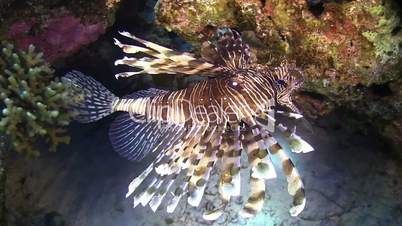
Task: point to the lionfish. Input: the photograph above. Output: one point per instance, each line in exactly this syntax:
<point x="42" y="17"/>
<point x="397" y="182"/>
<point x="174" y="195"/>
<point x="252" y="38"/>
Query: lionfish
<point x="192" y="129"/>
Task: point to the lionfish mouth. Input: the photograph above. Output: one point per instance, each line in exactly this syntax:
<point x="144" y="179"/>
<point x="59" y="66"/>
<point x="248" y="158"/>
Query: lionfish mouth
<point x="299" y="83"/>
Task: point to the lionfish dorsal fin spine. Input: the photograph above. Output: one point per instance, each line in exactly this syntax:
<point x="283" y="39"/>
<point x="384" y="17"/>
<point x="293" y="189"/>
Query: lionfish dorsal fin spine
<point x="234" y="53"/>
<point x="163" y="61"/>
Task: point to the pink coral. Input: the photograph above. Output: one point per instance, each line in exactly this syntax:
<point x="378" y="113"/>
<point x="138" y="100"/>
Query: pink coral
<point x="57" y="37"/>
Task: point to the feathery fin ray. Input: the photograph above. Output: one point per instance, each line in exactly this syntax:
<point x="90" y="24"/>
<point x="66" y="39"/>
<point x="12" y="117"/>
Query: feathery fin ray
<point x="163" y="61"/>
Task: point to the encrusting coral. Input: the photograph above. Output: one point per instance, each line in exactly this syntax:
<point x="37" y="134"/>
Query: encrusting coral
<point x="56" y="28"/>
<point x="34" y="102"/>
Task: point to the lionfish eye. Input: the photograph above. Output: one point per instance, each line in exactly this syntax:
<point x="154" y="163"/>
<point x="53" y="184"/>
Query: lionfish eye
<point x="281" y="82"/>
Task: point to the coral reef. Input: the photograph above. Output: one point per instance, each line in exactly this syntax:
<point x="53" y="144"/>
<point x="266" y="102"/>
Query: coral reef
<point x="56" y="41"/>
<point x="383" y="108"/>
<point x="34" y="102"/>
<point x="57" y="28"/>
<point x="3" y="149"/>
<point x="188" y="18"/>
<point x="346" y="44"/>
<point x="344" y="47"/>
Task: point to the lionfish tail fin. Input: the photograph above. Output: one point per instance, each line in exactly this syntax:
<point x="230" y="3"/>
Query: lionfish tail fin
<point x="160" y="60"/>
<point x="89" y="99"/>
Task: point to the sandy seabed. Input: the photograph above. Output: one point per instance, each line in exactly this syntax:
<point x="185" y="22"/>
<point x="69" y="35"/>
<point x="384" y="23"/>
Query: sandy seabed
<point x="350" y="179"/>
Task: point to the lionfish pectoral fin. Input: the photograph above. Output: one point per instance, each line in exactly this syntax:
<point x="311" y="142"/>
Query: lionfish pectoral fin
<point x="199" y="180"/>
<point x="132" y="187"/>
<point x="267" y="120"/>
<point x="295" y="183"/>
<point x="145" y="196"/>
<point x="297" y="119"/>
<point x="296" y="143"/>
<point x="133" y="137"/>
<point x="212" y="215"/>
<point x="188" y="155"/>
<point x="158" y="198"/>
<point x="256" y="199"/>
<point x="164" y="173"/>
<point x="230" y="181"/>
<point x="209" y="145"/>
<point x="90" y="100"/>
<point x="257" y="150"/>
<point x="163" y="61"/>
<point x="261" y="168"/>
<point x="294" y="115"/>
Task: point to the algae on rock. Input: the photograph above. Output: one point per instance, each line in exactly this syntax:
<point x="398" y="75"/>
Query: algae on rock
<point x="345" y="44"/>
<point x="344" y="47"/>
<point x="33" y="100"/>
<point x="188" y="18"/>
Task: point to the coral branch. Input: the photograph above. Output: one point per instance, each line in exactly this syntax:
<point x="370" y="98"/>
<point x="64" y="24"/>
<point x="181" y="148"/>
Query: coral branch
<point x="34" y="102"/>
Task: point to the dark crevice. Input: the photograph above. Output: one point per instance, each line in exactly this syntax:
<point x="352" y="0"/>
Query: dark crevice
<point x="316" y="96"/>
<point x="281" y="35"/>
<point x="316" y="7"/>
<point x="396" y="30"/>
<point x="360" y="87"/>
<point x="381" y="90"/>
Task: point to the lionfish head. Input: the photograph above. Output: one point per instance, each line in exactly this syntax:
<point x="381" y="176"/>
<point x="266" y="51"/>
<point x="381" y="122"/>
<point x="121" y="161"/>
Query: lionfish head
<point x="286" y="80"/>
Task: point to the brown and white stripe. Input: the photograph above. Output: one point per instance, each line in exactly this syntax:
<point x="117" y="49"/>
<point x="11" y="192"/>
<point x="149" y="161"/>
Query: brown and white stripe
<point x="295" y="183"/>
<point x="194" y="128"/>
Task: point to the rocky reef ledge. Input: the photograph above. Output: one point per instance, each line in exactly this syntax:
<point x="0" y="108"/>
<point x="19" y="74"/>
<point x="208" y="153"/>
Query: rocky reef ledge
<point x="351" y="51"/>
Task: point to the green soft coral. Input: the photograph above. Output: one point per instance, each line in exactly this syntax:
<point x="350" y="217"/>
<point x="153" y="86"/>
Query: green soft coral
<point x="33" y="101"/>
<point x="386" y="43"/>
